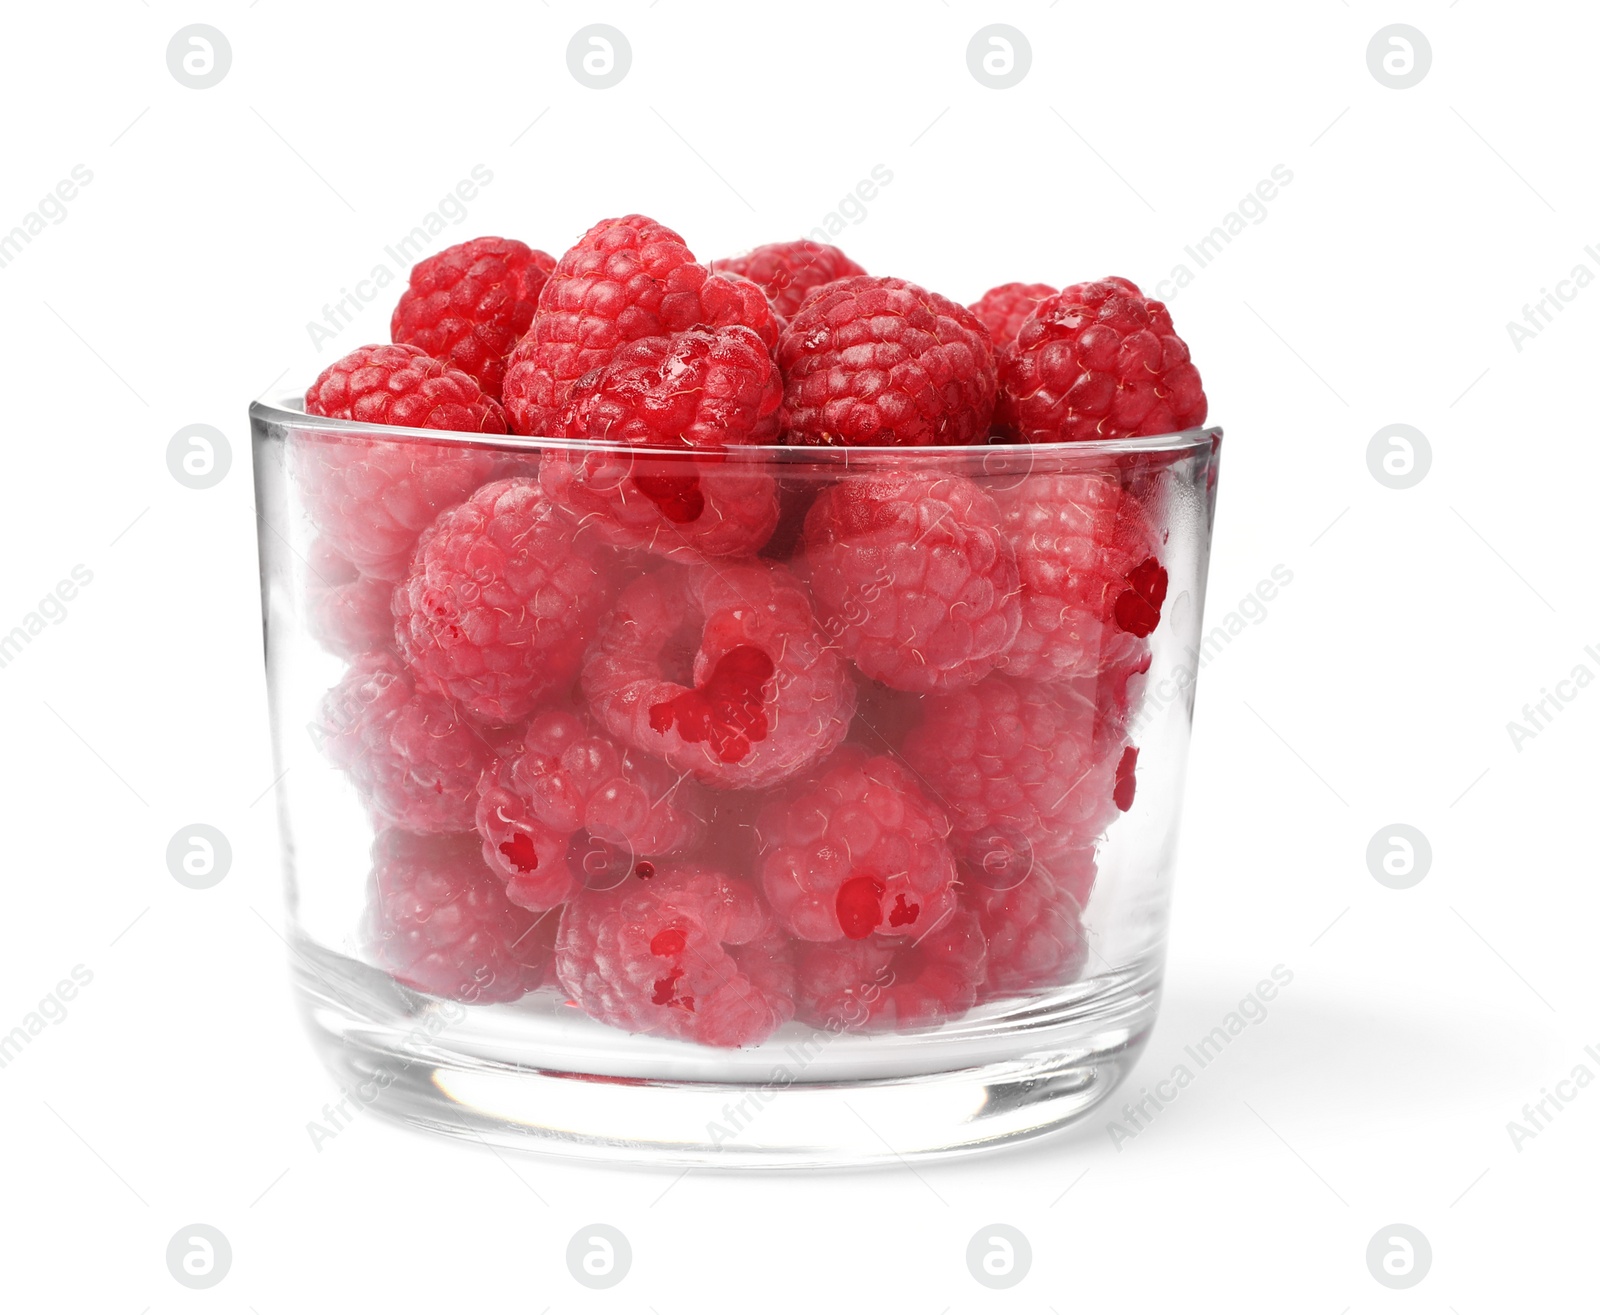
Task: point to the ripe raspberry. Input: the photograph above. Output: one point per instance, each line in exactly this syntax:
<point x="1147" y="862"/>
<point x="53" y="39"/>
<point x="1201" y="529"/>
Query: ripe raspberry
<point x="882" y="362"/>
<point x="398" y="384"/>
<point x="1092" y="583"/>
<point x="1097" y="360"/>
<point x="346" y="612"/>
<point x="914" y="576"/>
<point x="571" y="804"/>
<point x="500" y="602"/>
<point x="468" y="305"/>
<point x="626" y="279"/>
<point x="1034" y="929"/>
<point x="439" y="921"/>
<point x="687" y="952"/>
<point x="1003" y="309"/>
<point x="853" y="848"/>
<point x="787" y="271"/>
<point x="722" y="672"/>
<point x="872" y="985"/>
<point x="1026" y="771"/>
<point x="406" y="750"/>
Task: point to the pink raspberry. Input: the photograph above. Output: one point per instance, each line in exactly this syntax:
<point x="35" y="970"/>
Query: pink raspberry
<point x="722" y="672"/>
<point x="346" y="612"/>
<point x="626" y="279"/>
<point x="881" y="362"/>
<point x="856" y="848"/>
<point x="500" y="602"/>
<point x="572" y="804"/>
<point x="1034" y="929"/>
<point x="687" y="952"/>
<point x="1003" y="309"/>
<point x="912" y="573"/>
<point x="1026" y="770"/>
<point x="439" y="921"/>
<point x="407" y="751"/>
<point x="469" y="304"/>
<point x="1092" y="582"/>
<point x="873" y="985"/>
<point x="372" y="497"/>
<point x="1097" y="360"/>
<point x="788" y="271"/>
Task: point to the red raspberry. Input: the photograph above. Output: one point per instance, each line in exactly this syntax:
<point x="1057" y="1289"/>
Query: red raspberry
<point x="1092" y="583"/>
<point x="569" y="783"/>
<point x="687" y="952"/>
<point x="855" y="848"/>
<point x="722" y="672"/>
<point x="1026" y="771"/>
<point x="626" y="279"/>
<point x="1034" y="929"/>
<point x="500" y="602"/>
<point x="874" y="986"/>
<point x="407" y="751"/>
<point x="468" y="305"/>
<point x="372" y="497"/>
<point x="787" y="271"/>
<point x="1003" y="309"/>
<point x="881" y="362"/>
<point x="912" y="573"/>
<point x="1097" y="360"/>
<point x="346" y="612"/>
<point x="439" y="921"/>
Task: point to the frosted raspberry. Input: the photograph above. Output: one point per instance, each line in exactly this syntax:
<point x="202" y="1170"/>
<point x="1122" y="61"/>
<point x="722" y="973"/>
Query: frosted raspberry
<point x="722" y="672"/>
<point x="439" y="921"/>
<point x="1034" y="929"/>
<point x="687" y="952"/>
<point x="882" y="362"/>
<point x="407" y="751"/>
<point x="1003" y="309"/>
<point x="468" y="305"/>
<point x="500" y="602"/>
<point x="874" y="986"/>
<point x="856" y="848"/>
<point x="346" y="612"/>
<point x="1025" y="770"/>
<point x="1097" y="360"/>
<point x="787" y="271"/>
<point x="1092" y="580"/>
<point x="912" y="573"/>
<point x="626" y="279"/>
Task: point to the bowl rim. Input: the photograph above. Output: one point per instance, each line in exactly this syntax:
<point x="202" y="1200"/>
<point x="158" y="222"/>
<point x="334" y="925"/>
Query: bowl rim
<point x="287" y="411"/>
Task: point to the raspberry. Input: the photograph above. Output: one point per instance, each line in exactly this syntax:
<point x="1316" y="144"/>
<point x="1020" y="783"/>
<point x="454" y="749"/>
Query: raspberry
<point x="873" y="985"/>
<point x="500" y="602"/>
<point x="686" y="952"/>
<point x="912" y="573"/>
<point x="626" y="279"/>
<point x="439" y="921"/>
<point x="1034" y="929"/>
<point x="407" y="751"/>
<point x="346" y="612"/>
<point x="856" y="848"/>
<point x="1092" y="584"/>
<point x="1097" y="360"/>
<point x="722" y="672"/>
<point x="882" y="362"/>
<point x="787" y="271"/>
<point x="468" y="305"/>
<point x="397" y="384"/>
<point x="1003" y="309"/>
<point x="570" y="803"/>
<point x="1025" y="770"/>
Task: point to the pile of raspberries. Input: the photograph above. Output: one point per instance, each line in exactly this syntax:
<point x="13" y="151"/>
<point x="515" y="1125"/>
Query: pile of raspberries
<point x="698" y="739"/>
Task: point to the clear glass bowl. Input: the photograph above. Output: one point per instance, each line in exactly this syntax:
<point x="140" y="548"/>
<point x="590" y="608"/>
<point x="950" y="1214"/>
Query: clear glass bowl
<point x="774" y="910"/>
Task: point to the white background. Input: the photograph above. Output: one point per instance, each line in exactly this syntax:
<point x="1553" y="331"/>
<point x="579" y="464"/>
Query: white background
<point x="1377" y="689"/>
